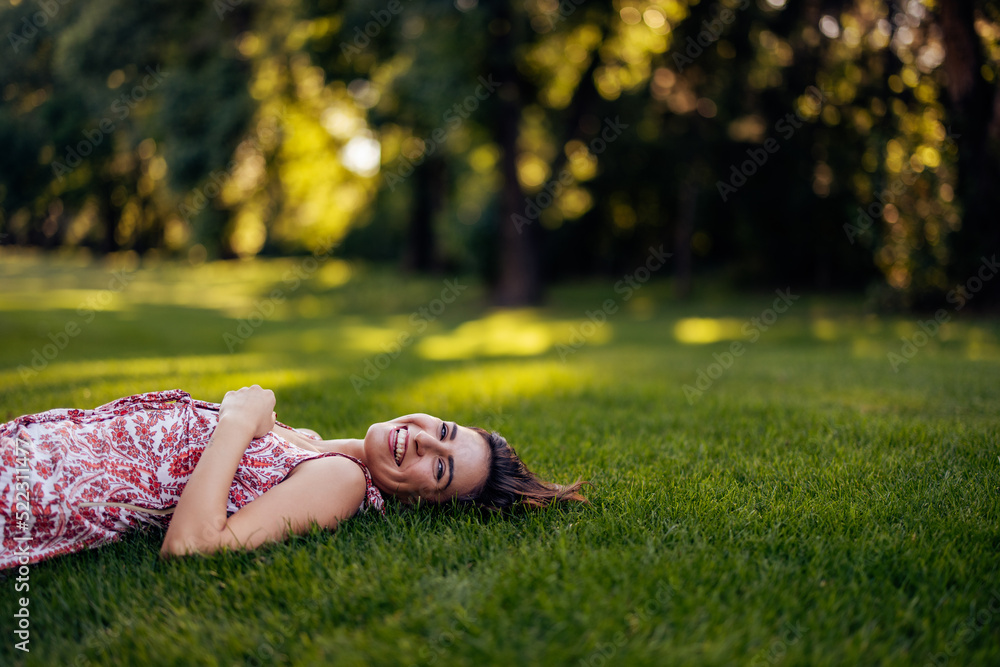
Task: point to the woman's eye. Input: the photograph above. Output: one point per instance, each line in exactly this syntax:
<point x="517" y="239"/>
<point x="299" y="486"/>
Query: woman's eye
<point x="440" y="470"/>
<point x="444" y="430"/>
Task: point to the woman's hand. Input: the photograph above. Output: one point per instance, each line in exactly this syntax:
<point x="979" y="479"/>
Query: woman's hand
<point x="251" y="406"/>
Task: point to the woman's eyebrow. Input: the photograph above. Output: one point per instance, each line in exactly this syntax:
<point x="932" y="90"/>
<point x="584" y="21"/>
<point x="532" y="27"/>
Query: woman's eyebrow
<point x="451" y="472"/>
<point x="454" y="430"/>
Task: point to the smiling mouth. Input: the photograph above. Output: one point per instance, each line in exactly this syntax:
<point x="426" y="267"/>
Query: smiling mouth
<point x="398" y="439"/>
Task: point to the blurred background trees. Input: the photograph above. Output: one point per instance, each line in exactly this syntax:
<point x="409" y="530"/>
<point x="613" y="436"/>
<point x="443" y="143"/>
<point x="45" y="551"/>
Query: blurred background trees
<point x="825" y="144"/>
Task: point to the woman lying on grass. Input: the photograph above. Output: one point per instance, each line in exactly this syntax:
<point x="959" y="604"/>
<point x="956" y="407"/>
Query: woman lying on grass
<point x="74" y="479"/>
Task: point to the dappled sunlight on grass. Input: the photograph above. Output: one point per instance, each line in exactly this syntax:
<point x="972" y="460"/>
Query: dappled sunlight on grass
<point x="229" y="366"/>
<point x="306" y="306"/>
<point x="313" y="340"/>
<point x="346" y="336"/>
<point x="981" y="345"/>
<point x="702" y="330"/>
<point x="371" y="339"/>
<point x="641" y="307"/>
<point x="38" y="297"/>
<point x="824" y="329"/>
<point x="233" y="288"/>
<point x="977" y="341"/>
<point x="232" y="300"/>
<point x="867" y="348"/>
<point x="287" y="377"/>
<point x="237" y="289"/>
<point x="326" y="319"/>
<point x="829" y="328"/>
<point x="514" y="333"/>
<point x="491" y="385"/>
<point x="334" y="273"/>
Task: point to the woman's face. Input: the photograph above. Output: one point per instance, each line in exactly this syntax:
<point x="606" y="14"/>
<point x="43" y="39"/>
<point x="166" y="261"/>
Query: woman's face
<point x="422" y="457"/>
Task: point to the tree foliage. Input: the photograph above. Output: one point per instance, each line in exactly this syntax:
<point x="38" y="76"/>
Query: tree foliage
<point x="835" y="144"/>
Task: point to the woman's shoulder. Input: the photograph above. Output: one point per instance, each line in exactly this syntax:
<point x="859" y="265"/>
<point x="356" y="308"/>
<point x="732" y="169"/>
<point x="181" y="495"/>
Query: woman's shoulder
<point x="349" y="470"/>
<point x="350" y="475"/>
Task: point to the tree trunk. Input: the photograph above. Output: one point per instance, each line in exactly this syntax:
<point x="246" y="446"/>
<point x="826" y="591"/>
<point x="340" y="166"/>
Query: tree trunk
<point x="111" y="215"/>
<point x="519" y="281"/>
<point x="429" y="195"/>
<point x="972" y="110"/>
<point x="686" y="211"/>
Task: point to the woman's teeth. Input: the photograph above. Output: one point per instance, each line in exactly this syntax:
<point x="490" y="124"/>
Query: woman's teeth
<point x="400" y="445"/>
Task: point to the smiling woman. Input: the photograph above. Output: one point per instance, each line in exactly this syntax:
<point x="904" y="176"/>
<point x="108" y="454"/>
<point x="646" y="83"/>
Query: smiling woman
<point x="420" y="457"/>
<point x="230" y="475"/>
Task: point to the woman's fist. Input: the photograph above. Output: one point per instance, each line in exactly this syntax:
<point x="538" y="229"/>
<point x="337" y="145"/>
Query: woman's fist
<point x="252" y="406"/>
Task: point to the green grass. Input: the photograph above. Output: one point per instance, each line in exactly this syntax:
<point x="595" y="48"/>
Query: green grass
<point x="811" y="507"/>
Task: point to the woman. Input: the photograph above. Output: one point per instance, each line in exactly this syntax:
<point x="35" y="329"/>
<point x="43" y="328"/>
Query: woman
<point x="73" y="479"/>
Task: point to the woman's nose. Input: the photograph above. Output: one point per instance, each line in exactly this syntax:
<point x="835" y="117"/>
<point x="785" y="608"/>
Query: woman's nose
<point x="427" y="444"/>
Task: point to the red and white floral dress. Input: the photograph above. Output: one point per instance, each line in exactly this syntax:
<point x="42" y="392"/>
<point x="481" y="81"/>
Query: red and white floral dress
<point x="62" y="470"/>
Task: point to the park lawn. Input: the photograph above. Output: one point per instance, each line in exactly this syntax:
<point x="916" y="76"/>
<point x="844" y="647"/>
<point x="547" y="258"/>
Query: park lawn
<point x="811" y="505"/>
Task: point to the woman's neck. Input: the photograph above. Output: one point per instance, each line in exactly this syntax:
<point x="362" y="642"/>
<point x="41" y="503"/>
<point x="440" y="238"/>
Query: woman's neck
<point x="350" y="446"/>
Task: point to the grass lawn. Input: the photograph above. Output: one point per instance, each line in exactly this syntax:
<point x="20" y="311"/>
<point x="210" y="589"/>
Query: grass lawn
<point x="801" y="503"/>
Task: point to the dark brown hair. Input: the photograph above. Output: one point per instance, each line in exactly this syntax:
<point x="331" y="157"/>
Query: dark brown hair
<point x="509" y="481"/>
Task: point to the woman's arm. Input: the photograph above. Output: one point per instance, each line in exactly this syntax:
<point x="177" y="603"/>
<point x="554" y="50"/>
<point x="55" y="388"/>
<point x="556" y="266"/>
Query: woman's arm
<point x="325" y="490"/>
<point x="200" y="515"/>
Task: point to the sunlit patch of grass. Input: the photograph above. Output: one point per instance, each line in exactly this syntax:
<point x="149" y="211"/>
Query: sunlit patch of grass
<point x="231" y="288"/>
<point x="69" y="371"/>
<point x="522" y="333"/>
<point x="825" y="329"/>
<point x="489" y="384"/>
<point x="701" y="330"/>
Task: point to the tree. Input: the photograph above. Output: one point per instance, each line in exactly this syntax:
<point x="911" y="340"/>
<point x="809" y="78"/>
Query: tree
<point x="976" y="127"/>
